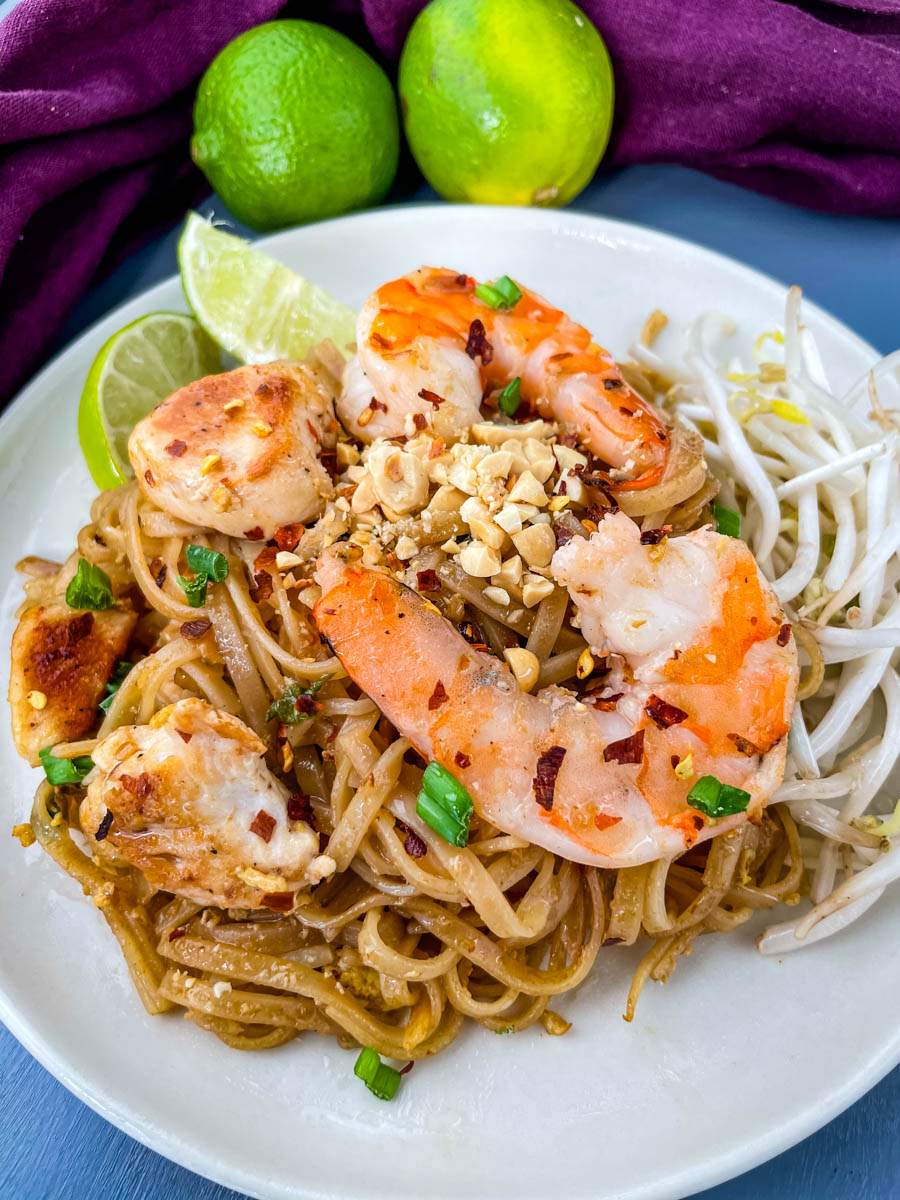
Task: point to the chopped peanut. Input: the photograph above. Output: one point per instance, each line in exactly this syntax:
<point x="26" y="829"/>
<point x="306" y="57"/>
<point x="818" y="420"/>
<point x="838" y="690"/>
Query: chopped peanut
<point x="524" y="665"/>
<point x="479" y="560"/>
<point x="535" y="589"/>
<point x="536" y="544"/>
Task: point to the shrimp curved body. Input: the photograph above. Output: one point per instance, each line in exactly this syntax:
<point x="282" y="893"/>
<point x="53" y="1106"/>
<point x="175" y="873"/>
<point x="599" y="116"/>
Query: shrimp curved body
<point x="239" y="452"/>
<point x="189" y="801"/>
<point x="422" y="357"/>
<point x="592" y="779"/>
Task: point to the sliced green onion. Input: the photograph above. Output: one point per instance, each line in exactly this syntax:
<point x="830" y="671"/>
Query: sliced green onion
<point x="489" y="295"/>
<point x="367" y="1064"/>
<point x="64" y="770"/>
<point x="381" y="1080"/>
<point x="511" y="397"/>
<point x="509" y="290"/>
<point x="285" y="709"/>
<point x="717" y="799"/>
<point x="210" y="563"/>
<point x="447" y="791"/>
<point x="727" y="520"/>
<point x="89" y="587"/>
<point x="441" y="820"/>
<point x="502" y="293"/>
<point x="118" y="678"/>
<point x="194" y="589"/>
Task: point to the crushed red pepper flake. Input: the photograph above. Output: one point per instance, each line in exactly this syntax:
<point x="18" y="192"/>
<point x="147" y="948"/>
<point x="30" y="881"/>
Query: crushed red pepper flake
<point x="177" y="933"/>
<point x="264" y="587"/>
<point x="605" y="821"/>
<point x="610" y="383"/>
<point x="607" y="703"/>
<point x="376" y="405"/>
<point x="652" y="537"/>
<point x="462" y="760"/>
<point x="196" y="629"/>
<point x="432" y="397"/>
<point x="287" y="537"/>
<point x="744" y="745"/>
<point x="176" y="448"/>
<point x="148" y="476"/>
<point x="477" y="344"/>
<point x="254" y="535"/>
<point x="562" y="534"/>
<point x="139" y="785"/>
<point x="104" y="827"/>
<point x="406" y="1070"/>
<point x="265" y="560"/>
<point x="414" y="846"/>
<point x="161" y="572"/>
<point x="263" y="825"/>
<point x="784" y="635"/>
<point x="278" y="901"/>
<point x="185" y="737"/>
<point x="420" y="421"/>
<point x="664" y="714"/>
<point x="627" y="750"/>
<point x="544" y="782"/>
<point x="427" y="581"/>
<point x="436" y="449"/>
<point x="438" y="697"/>
<point x="299" y="807"/>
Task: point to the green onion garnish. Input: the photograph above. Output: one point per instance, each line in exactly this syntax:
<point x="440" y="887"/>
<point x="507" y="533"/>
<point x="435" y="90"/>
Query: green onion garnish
<point x="381" y="1080"/>
<point x="210" y="563"/>
<point x="502" y="293"/>
<point x="727" y="520"/>
<point x="509" y="290"/>
<point x="717" y="799"/>
<point x="118" y="678"/>
<point x="64" y="770"/>
<point x="194" y="589"/>
<point x="511" y="397"/>
<point x="207" y="565"/>
<point x="286" y="710"/>
<point x="89" y="587"/>
<point x="445" y="805"/>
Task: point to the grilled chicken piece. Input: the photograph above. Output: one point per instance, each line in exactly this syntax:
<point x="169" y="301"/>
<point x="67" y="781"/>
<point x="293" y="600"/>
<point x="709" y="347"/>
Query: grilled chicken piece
<point x="189" y="800"/>
<point x="61" y="661"/>
<point x="239" y="452"/>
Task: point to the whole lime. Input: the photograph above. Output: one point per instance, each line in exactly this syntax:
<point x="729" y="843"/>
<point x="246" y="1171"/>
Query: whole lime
<point x="506" y="101"/>
<point x="293" y="122"/>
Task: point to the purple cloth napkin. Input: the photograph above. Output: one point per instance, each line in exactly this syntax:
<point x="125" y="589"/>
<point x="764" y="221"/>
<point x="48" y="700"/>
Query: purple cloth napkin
<point x="801" y="101"/>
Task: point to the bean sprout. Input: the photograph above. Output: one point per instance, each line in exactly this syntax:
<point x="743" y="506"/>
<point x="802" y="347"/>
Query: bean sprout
<point x="816" y="477"/>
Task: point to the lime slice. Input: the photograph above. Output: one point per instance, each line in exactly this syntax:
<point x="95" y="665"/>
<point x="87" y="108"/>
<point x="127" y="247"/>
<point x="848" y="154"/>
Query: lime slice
<point x="256" y="308"/>
<point x="135" y="369"/>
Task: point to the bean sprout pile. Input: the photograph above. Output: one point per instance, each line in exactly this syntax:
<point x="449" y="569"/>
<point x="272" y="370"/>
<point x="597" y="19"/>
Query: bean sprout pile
<point x="814" y="474"/>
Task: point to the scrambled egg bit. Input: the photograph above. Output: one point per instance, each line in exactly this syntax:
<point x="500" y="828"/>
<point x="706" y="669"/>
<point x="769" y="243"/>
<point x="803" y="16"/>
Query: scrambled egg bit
<point x="239" y="452"/>
<point x="189" y="800"/>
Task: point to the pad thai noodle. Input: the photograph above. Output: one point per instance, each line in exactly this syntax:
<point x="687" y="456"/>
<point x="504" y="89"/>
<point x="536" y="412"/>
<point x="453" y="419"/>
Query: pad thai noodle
<point x="397" y="690"/>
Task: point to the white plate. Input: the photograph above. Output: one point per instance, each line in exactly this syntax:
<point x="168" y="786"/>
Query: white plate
<point x="735" y="1059"/>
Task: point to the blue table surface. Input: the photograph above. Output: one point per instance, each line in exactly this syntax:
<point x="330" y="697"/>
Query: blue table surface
<point x="54" y="1148"/>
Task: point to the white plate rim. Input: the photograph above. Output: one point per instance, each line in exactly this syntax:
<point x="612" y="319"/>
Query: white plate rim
<point x="712" y="1170"/>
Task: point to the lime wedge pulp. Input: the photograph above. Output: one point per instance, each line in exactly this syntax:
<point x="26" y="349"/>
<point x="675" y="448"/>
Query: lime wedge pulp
<point x="255" y="308"/>
<point x="135" y="369"/>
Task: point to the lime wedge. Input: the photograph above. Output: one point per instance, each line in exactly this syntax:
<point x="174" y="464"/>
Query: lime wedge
<point x="256" y="308"/>
<point x="135" y="369"/>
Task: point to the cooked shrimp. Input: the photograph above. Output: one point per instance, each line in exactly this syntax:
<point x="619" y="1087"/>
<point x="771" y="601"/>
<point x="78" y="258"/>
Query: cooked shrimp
<point x="61" y="660"/>
<point x="189" y="801"/>
<point x="702" y="678"/>
<point x="239" y="452"/>
<point x="421" y="354"/>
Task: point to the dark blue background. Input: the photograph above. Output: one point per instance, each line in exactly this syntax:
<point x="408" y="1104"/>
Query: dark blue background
<point x="53" y="1148"/>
